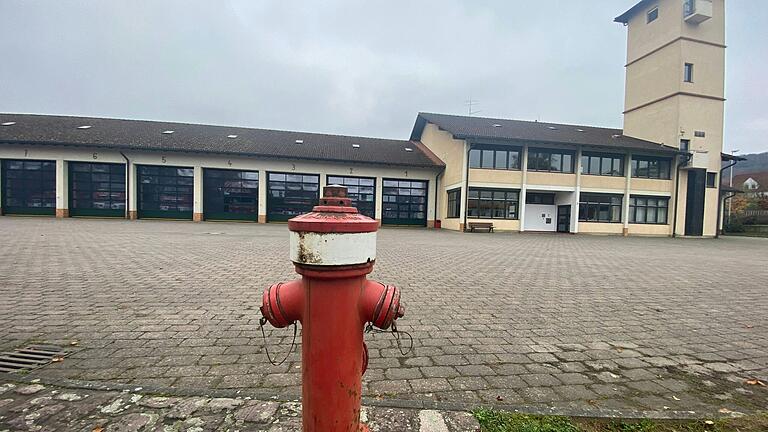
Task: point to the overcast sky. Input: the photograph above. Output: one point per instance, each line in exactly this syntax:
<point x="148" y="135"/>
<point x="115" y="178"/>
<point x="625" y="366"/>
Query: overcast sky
<point x="347" y="67"/>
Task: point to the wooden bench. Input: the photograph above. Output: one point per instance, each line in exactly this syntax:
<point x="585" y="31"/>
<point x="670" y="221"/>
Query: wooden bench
<point x="481" y="225"/>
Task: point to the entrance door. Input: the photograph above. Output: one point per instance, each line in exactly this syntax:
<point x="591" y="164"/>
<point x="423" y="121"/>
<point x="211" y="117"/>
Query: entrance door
<point x="564" y="218"/>
<point x="694" y="205"/>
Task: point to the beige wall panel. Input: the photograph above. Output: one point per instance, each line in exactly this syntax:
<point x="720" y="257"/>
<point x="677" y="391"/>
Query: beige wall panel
<point x="603" y="182"/>
<point x="657" y="122"/>
<point x="654" y="77"/>
<point x="600" y="228"/>
<point x="682" y="194"/>
<point x="448" y="149"/>
<point x="643" y="37"/>
<point x="499" y="224"/>
<point x="650" y="230"/>
<point x="708" y="68"/>
<point x="502" y="177"/>
<point x="710" y="212"/>
<point x="711" y="30"/>
<point x="649" y="185"/>
<point x="704" y="115"/>
<point x="550" y="179"/>
<point x="452" y="224"/>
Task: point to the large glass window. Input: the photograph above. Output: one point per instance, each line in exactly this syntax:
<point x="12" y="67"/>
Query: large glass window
<point x="493" y="203"/>
<point x="494" y="157"/>
<point x="599" y="207"/>
<point x="454" y="203"/>
<point x="603" y="164"/>
<point x="550" y="160"/>
<point x="648" y="209"/>
<point x="230" y="194"/>
<point x="404" y="202"/>
<point x="291" y="195"/>
<point x="165" y="191"/>
<point x="29" y="187"/>
<point x="651" y="167"/>
<point x="362" y="191"/>
<point x="96" y="189"/>
<point x="540" y="198"/>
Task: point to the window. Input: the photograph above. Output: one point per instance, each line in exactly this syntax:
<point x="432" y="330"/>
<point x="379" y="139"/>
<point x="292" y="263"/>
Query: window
<point x="685" y="145"/>
<point x="494" y="157"/>
<point x="711" y="180"/>
<point x="454" y="203"/>
<point x="29" y="186"/>
<point x="165" y="191"/>
<point x="550" y="160"/>
<point x="493" y="203"/>
<point x="652" y="15"/>
<point x="648" y="209"/>
<point x="290" y="195"/>
<point x="96" y="189"/>
<point x="362" y="191"/>
<point x="651" y="167"/>
<point x="404" y="202"/>
<point x="599" y="207"/>
<point x="602" y="164"/>
<point x="540" y="198"/>
<point x="688" y="74"/>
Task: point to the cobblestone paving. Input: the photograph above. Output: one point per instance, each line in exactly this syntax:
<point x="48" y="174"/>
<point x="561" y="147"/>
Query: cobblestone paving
<point x="35" y="407"/>
<point x="551" y="320"/>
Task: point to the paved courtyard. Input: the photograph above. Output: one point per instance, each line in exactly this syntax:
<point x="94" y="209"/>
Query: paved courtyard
<point x="574" y="322"/>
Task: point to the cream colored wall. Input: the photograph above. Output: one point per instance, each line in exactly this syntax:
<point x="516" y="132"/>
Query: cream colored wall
<point x="550" y="179"/>
<point x="600" y="228"/>
<point x="603" y="182"/>
<point x="448" y="149"/>
<point x="499" y="224"/>
<point x="710" y="212"/>
<point x="651" y="185"/>
<point x="654" y="77"/>
<point x="711" y="30"/>
<point x="650" y="230"/>
<point x="657" y="122"/>
<point x="708" y="68"/>
<point x="212" y="161"/>
<point x="704" y="115"/>
<point x="452" y="224"/>
<point x="504" y="178"/>
<point x="643" y="37"/>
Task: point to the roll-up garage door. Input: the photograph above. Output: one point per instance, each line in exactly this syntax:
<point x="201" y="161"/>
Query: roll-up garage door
<point x="362" y="191"/>
<point x="29" y="187"/>
<point x="230" y="194"/>
<point x="96" y="189"/>
<point x="404" y="202"/>
<point x="165" y="192"/>
<point x="290" y="195"/>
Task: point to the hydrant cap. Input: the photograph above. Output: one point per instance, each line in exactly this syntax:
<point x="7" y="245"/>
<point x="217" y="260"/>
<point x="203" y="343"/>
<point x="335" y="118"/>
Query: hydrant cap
<point x="334" y="233"/>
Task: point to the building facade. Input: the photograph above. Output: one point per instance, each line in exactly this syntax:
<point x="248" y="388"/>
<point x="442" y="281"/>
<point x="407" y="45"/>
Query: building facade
<point x="659" y="175"/>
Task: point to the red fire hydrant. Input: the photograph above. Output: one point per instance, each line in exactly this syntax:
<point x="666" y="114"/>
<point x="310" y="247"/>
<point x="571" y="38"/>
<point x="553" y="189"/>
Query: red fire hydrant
<point x="333" y="248"/>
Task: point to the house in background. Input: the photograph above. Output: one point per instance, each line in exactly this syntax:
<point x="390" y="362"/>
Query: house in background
<point x="753" y="184"/>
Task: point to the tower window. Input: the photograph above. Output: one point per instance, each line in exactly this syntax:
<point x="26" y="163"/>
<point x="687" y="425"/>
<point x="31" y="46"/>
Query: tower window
<point x="685" y="145"/>
<point x="653" y="14"/>
<point x="711" y="179"/>
<point x="688" y="75"/>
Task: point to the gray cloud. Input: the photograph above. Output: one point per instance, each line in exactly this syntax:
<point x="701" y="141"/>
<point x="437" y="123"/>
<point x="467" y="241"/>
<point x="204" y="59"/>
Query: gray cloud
<point x="346" y="67"/>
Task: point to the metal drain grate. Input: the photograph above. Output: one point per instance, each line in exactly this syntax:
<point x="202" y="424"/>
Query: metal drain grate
<point x="31" y="357"/>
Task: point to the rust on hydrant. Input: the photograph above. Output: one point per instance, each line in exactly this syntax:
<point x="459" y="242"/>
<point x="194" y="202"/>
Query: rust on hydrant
<point x="333" y="248"/>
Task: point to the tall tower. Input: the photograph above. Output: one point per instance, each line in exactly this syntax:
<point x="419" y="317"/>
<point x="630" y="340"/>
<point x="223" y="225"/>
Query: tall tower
<point x="675" y="88"/>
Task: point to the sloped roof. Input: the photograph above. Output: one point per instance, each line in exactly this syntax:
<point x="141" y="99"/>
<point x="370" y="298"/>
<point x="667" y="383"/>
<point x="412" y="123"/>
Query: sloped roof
<point x="626" y="16"/>
<point x="761" y="177"/>
<point x="121" y="134"/>
<point x="478" y="128"/>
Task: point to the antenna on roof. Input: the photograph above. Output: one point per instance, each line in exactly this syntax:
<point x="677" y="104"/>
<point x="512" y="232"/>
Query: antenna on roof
<point x="470" y="105"/>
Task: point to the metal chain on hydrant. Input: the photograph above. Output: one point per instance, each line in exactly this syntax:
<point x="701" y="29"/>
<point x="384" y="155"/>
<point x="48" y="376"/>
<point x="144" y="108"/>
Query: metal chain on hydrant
<point x="263" y="321"/>
<point x="369" y="329"/>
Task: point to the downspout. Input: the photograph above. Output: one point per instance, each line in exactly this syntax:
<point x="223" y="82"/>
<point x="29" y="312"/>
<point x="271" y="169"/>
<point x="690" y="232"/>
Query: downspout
<point x="721" y="200"/>
<point x="688" y="158"/>
<point x="437" y="193"/>
<point x="466" y="186"/>
<point x="127" y="186"/>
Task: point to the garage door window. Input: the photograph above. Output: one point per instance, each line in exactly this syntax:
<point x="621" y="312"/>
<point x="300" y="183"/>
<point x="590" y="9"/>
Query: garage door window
<point x="291" y="195"/>
<point x="230" y="194"/>
<point x="165" y="191"/>
<point x="362" y="191"/>
<point x="96" y="189"/>
<point x="404" y="202"/>
<point x="29" y="187"/>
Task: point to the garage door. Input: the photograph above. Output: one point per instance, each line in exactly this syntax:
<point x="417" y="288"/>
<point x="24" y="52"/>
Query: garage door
<point x="362" y="190"/>
<point x="165" y="192"/>
<point x="290" y="195"/>
<point x="404" y="202"/>
<point x="230" y="194"/>
<point x="29" y="187"/>
<point x="96" y="189"/>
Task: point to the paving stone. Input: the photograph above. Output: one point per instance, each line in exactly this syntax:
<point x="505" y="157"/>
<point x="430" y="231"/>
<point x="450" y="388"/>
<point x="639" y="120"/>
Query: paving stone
<point x="426" y="385"/>
<point x="29" y="389"/>
<point x="257" y="412"/>
<point x="186" y="408"/>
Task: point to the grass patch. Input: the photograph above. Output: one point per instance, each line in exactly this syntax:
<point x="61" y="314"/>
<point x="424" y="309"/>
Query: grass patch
<point x="500" y="421"/>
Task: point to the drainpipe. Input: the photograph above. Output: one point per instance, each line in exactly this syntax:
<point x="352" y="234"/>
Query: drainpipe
<point x="688" y="158"/>
<point x="127" y="185"/>
<point x="720" y="200"/>
<point x="466" y="186"/>
<point x="437" y="193"/>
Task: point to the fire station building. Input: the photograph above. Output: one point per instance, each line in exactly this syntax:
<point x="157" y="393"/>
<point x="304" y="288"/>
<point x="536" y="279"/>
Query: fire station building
<point x="658" y="175"/>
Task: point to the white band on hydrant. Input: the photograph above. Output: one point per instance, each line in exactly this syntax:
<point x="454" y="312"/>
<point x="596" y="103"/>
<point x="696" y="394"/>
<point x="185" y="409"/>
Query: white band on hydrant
<point x="332" y="249"/>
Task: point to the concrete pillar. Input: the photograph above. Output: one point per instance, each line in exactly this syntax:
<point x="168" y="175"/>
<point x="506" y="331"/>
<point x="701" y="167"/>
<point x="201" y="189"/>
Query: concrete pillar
<point x="576" y="193"/>
<point x="523" y="188"/>
<point x="62" y="189"/>
<point x="627" y="191"/>
<point x="262" y="196"/>
<point x="379" y="199"/>
<point x="133" y="191"/>
<point x="1" y="188"/>
<point x="431" y="210"/>
<point x="464" y="186"/>
<point x="197" y="191"/>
